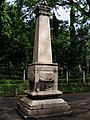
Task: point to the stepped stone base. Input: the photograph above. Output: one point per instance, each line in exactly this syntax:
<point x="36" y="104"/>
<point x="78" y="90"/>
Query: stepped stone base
<point x="42" y="108"/>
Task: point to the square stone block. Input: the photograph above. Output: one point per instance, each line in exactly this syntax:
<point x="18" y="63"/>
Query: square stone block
<point x="43" y="77"/>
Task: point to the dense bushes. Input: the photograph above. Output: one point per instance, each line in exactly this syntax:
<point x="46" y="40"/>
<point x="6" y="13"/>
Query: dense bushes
<point x="74" y="87"/>
<point x="12" y="87"/>
<point x="74" y="80"/>
<point x="10" y="81"/>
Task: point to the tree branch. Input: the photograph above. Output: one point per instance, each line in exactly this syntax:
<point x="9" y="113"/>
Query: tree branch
<point x="79" y="8"/>
<point x="69" y="2"/>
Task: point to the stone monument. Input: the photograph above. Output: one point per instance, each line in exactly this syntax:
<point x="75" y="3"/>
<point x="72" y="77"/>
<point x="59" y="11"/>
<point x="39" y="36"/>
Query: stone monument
<point x="42" y="97"/>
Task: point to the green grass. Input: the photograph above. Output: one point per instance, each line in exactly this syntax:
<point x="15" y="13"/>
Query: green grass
<point x="74" y="80"/>
<point x="74" y="87"/>
<point x="12" y="87"/>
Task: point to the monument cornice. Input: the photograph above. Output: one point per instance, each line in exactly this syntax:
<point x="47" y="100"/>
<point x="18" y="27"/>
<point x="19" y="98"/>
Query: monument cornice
<point x="42" y="10"/>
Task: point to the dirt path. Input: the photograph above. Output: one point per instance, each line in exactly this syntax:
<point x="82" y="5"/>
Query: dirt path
<point x="79" y="102"/>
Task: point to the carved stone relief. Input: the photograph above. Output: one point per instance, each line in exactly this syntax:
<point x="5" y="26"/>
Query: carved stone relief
<point x="42" y="79"/>
<point x="46" y="76"/>
<point x="42" y="85"/>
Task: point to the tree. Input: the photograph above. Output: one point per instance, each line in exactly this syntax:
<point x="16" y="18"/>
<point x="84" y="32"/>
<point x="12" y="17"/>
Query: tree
<point x="15" y="45"/>
<point x="18" y="29"/>
<point x="5" y="32"/>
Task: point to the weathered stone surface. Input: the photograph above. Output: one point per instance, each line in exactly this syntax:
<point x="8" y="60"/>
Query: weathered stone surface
<point x="35" y="108"/>
<point x="44" y="76"/>
<point x="42" y="46"/>
<point x="42" y="95"/>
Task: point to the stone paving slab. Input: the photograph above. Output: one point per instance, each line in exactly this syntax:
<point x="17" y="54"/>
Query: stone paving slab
<point x="79" y="102"/>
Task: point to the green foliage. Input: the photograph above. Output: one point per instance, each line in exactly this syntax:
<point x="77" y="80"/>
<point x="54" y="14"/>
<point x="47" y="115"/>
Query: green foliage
<point x="12" y="87"/>
<point x="61" y="44"/>
<point x="5" y="21"/>
<point x="15" y="44"/>
<point x="5" y="81"/>
<point x="10" y="81"/>
<point x="75" y="80"/>
<point x="74" y="87"/>
<point x="75" y="73"/>
<point x="7" y="90"/>
<point x="71" y="44"/>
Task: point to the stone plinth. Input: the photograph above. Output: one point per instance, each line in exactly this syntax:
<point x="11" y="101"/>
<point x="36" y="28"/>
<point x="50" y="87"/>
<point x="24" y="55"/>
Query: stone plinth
<point x="43" y="108"/>
<point x="43" y="77"/>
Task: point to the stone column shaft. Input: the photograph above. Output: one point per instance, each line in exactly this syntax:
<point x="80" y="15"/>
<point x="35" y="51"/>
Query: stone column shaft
<point x="42" y="45"/>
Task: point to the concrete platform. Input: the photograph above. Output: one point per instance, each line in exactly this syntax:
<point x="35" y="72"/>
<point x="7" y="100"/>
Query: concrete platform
<point x="79" y="102"/>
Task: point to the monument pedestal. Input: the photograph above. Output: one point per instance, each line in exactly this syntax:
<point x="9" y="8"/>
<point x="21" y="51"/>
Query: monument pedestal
<point x="43" y="77"/>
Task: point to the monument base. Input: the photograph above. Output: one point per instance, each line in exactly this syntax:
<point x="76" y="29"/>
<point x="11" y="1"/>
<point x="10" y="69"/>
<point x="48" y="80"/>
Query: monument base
<point x="42" y="97"/>
<point x="43" y="108"/>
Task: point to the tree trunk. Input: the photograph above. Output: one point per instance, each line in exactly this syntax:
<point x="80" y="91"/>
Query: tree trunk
<point x="87" y="62"/>
<point x="24" y="76"/>
<point x="84" y="76"/>
<point x="67" y="75"/>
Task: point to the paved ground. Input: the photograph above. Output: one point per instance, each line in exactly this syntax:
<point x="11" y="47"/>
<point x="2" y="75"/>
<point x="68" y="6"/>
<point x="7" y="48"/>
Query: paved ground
<point x="79" y="102"/>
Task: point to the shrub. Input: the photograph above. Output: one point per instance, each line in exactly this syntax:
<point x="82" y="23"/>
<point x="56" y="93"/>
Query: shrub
<point x="9" y="88"/>
<point x="11" y="81"/>
<point x="74" y="87"/>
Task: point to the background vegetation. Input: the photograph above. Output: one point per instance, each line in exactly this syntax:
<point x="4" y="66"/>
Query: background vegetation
<point x="70" y="41"/>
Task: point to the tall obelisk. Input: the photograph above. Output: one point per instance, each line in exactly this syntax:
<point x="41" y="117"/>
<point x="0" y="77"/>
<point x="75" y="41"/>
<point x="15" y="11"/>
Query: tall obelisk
<point x="42" y="95"/>
<point x="42" y="47"/>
